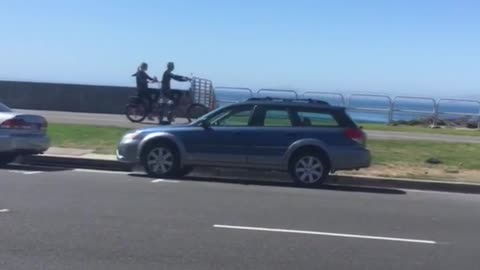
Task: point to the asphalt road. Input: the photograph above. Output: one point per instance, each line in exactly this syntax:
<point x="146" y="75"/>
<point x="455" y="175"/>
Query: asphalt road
<point x="121" y="121"/>
<point x="101" y="220"/>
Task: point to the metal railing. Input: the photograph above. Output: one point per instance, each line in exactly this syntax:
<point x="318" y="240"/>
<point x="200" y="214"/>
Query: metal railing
<point x="443" y="100"/>
<point x="392" y="104"/>
<point x="312" y="94"/>
<point x="433" y="113"/>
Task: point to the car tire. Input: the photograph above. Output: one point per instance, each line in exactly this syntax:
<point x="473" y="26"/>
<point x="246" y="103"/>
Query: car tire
<point x="161" y="160"/>
<point x="309" y="168"/>
<point x="6" y="159"/>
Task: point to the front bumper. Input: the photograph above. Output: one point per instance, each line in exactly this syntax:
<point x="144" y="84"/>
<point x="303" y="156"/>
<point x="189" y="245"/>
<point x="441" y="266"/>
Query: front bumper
<point x="128" y="152"/>
<point x="24" y="144"/>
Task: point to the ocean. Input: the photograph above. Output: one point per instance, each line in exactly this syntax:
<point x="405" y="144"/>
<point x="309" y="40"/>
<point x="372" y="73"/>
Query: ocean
<point x="371" y="109"/>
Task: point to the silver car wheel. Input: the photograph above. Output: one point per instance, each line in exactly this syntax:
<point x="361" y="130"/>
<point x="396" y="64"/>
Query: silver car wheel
<point x="309" y="169"/>
<point x="160" y="160"/>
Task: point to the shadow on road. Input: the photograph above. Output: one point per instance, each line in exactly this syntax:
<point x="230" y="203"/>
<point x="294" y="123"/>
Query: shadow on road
<point x="334" y="187"/>
<point x="33" y="168"/>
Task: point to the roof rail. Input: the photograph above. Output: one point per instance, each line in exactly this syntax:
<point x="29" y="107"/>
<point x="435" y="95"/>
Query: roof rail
<point x="301" y="100"/>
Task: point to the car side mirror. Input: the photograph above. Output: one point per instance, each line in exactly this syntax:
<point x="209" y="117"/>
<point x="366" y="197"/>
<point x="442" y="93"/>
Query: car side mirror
<point x="205" y="124"/>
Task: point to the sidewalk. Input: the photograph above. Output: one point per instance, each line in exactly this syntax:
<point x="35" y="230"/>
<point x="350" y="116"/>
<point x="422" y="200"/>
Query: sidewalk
<point x="85" y="158"/>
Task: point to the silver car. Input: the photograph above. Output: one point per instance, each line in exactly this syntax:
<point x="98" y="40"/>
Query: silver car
<point x="309" y="139"/>
<point x="21" y="134"/>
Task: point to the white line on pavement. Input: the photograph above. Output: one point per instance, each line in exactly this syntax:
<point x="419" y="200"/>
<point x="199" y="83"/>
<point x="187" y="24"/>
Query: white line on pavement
<point x="4" y="210"/>
<point x="24" y="172"/>
<point x="418" y="241"/>
<point x="100" y="171"/>
<point x="164" y="181"/>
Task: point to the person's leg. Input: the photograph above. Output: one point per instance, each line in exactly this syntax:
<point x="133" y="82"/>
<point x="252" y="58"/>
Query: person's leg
<point x="146" y="98"/>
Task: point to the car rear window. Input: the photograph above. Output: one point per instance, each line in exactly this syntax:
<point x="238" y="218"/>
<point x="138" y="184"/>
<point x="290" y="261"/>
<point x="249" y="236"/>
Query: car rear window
<point x="317" y="119"/>
<point x="4" y="108"/>
<point x="324" y="118"/>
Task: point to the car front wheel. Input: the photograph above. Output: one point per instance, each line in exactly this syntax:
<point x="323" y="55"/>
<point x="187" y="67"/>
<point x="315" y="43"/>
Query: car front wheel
<point x="309" y="169"/>
<point x="161" y="160"/>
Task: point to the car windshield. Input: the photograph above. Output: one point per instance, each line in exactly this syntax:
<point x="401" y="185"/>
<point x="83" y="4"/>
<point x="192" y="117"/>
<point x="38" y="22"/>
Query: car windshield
<point x="4" y="108"/>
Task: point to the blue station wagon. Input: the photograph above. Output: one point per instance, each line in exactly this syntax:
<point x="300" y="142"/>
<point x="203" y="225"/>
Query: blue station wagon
<point x="307" y="138"/>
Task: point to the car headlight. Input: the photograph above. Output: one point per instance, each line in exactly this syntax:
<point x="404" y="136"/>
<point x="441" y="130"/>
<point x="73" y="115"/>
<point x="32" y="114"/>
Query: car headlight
<point x="129" y="137"/>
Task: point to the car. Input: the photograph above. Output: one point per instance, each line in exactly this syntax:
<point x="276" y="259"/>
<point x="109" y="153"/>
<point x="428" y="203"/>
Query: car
<point x="21" y="134"/>
<point x="307" y="138"/>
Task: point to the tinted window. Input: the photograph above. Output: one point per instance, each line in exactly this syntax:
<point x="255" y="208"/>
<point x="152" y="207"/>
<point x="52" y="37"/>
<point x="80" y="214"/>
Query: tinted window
<point x="317" y="119"/>
<point x="4" y="108"/>
<point x="277" y="118"/>
<point x="236" y="116"/>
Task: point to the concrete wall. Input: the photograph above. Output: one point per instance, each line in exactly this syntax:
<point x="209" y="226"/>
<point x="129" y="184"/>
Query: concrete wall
<point x="65" y="97"/>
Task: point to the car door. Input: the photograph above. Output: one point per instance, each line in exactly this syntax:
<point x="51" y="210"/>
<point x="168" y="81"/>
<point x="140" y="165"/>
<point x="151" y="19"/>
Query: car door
<point x="225" y="139"/>
<point x="274" y="133"/>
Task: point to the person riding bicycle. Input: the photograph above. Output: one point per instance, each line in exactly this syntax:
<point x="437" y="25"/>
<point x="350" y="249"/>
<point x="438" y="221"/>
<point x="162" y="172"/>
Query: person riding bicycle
<point x="174" y="95"/>
<point x="145" y="93"/>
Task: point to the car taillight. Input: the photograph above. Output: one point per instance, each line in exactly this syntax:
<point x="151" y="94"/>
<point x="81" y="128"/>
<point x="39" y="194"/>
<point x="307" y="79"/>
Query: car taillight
<point x="356" y="135"/>
<point x="15" y="123"/>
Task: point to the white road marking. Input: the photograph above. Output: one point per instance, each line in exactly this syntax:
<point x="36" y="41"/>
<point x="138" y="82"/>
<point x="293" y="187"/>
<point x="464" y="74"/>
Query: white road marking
<point x="4" y="210"/>
<point x="418" y="241"/>
<point x="100" y="171"/>
<point x="165" y="181"/>
<point x="24" y="172"/>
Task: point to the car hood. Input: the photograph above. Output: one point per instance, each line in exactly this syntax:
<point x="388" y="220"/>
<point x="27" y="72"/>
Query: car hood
<point x="167" y="128"/>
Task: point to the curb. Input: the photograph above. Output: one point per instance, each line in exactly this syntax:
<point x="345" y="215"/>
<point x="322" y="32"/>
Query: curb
<point x="267" y="176"/>
<point x="76" y="162"/>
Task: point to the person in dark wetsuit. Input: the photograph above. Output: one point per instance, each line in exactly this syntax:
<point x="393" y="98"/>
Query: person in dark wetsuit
<point x="166" y="83"/>
<point x="145" y="93"/>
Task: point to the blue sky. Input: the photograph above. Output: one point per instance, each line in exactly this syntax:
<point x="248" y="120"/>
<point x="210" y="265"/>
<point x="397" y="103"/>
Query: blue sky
<point x="409" y="47"/>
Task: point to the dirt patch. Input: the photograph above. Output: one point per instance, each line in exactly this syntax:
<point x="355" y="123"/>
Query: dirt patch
<point x="433" y="173"/>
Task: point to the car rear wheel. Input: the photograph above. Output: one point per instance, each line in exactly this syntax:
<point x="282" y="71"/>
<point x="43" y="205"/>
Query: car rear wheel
<point x="6" y="159"/>
<point x="161" y="160"/>
<point x="309" y="169"/>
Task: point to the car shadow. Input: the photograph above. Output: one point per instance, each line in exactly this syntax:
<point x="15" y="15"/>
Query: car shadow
<point x="33" y="168"/>
<point x="326" y="186"/>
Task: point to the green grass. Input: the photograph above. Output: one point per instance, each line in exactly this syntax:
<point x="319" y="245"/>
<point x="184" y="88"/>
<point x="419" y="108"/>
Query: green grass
<point x="417" y="129"/>
<point x="415" y="153"/>
<point x="101" y="139"/>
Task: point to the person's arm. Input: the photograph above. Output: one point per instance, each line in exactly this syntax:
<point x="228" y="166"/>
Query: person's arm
<point x="179" y="78"/>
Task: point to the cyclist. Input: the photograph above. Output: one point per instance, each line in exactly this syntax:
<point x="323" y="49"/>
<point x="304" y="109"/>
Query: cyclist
<point x="166" y="83"/>
<point x="145" y="93"/>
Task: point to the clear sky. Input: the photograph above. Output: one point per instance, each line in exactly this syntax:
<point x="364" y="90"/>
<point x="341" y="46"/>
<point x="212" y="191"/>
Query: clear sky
<point x="410" y="47"/>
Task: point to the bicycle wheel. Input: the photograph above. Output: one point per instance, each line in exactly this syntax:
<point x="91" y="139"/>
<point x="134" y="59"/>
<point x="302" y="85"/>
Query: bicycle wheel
<point x="195" y="111"/>
<point x="136" y="112"/>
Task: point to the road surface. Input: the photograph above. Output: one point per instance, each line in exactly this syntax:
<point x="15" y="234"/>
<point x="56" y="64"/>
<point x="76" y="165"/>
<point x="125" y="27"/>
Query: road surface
<point x="116" y="120"/>
<point x="78" y="219"/>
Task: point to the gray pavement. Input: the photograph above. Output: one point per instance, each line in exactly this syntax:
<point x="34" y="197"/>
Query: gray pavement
<point x="116" y="120"/>
<point x="63" y="219"/>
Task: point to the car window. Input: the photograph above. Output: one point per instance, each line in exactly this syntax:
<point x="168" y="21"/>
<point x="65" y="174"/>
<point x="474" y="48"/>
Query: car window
<point x="277" y="118"/>
<point x="317" y="119"/>
<point x="234" y="117"/>
<point x="4" y="108"/>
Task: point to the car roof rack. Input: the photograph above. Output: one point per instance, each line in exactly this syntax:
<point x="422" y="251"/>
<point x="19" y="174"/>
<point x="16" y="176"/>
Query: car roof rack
<point x="301" y="100"/>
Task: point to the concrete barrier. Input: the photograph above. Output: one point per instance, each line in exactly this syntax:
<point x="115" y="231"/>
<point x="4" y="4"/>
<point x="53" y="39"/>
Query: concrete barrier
<point x="65" y="97"/>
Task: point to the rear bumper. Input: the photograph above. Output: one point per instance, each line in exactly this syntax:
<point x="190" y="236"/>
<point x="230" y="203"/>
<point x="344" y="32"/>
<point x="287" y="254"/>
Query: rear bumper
<point x="350" y="159"/>
<point x="34" y="144"/>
